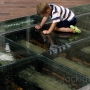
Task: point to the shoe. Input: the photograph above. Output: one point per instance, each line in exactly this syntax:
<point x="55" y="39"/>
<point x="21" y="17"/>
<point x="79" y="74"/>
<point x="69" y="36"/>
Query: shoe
<point x="76" y="29"/>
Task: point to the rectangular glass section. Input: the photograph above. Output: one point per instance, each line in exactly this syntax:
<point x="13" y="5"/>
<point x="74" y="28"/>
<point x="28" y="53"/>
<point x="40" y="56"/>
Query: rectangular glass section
<point x="18" y="23"/>
<point x="18" y="83"/>
<point x="76" y="57"/>
<point x="81" y="9"/>
<point x="10" y="52"/>
<point x="30" y="38"/>
<point x="36" y="41"/>
<point x="50" y="75"/>
<point x="84" y="21"/>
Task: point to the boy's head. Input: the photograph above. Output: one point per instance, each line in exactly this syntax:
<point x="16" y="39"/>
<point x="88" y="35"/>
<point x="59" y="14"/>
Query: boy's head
<point x="43" y="8"/>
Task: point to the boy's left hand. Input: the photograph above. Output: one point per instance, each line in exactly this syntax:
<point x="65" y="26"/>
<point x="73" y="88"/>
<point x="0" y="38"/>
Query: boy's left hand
<point x="46" y="32"/>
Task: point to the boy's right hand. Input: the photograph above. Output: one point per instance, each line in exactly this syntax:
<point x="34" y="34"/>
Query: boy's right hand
<point x="38" y="27"/>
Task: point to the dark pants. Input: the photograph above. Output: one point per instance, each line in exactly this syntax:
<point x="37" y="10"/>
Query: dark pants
<point x="67" y="23"/>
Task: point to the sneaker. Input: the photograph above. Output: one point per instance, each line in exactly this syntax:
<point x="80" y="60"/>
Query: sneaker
<point x="76" y="29"/>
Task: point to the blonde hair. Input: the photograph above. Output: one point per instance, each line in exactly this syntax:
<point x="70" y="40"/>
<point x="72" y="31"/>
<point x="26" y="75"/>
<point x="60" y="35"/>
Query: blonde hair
<point x="42" y="8"/>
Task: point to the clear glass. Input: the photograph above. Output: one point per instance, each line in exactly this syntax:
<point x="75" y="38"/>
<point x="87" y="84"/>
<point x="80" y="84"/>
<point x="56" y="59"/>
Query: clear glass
<point x="11" y="52"/>
<point x="48" y="75"/>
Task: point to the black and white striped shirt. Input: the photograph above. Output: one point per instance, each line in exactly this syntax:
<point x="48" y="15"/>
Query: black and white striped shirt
<point x="60" y="13"/>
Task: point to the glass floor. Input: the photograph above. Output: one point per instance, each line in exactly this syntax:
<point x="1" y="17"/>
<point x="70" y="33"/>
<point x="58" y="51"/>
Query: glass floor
<point x="81" y="9"/>
<point x="49" y="75"/>
<point x="30" y="60"/>
<point x="11" y="53"/>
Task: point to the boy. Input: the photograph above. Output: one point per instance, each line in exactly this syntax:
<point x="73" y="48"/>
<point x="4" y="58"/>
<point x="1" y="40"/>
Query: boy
<point x="63" y="19"/>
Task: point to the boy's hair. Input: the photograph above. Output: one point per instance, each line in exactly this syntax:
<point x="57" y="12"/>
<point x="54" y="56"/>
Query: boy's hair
<point x="42" y="8"/>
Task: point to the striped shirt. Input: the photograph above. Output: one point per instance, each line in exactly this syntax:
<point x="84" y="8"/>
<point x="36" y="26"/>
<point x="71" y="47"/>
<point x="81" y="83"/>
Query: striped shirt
<point x="60" y="13"/>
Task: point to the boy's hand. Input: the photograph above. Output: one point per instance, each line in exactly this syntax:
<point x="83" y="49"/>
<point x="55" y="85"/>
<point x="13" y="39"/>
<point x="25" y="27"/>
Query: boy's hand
<point x="38" y="27"/>
<point x="46" y="32"/>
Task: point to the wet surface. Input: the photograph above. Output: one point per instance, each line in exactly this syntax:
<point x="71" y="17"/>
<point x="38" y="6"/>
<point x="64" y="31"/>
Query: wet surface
<point x="28" y="38"/>
<point x="18" y="23"/>
<point x="11" y="53"/>
<point x="50" y="75"/>
<point x="81" y="9"/>
<point x="31" y="60"/>
<point x="84" y="21"/>
<point x="66" y="49"/>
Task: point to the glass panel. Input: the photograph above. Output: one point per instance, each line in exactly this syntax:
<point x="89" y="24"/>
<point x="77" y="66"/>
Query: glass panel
<point x="50" y="75"/>
<point x="76" y="57"/>
<point x="29" y="38"/>
<point x="18" y="83"/>
<point x="22" y="22"/>
<point x="10" y="52"/>
<point x="84" y="21"/>
<point x="81" y="9"/>
<point x="36" y="41"/>
<point x="69" y="52"/>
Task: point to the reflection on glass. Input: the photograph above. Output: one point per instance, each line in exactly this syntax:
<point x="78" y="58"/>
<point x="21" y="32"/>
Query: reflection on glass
<point x="81" y="9"/>
<point x="11" y="52"/>
<point x="6" y="57"/>
<point x="7" y="47"/>
<point x="20" y="23"/>
<point x="36" y="41"/>
<point x="49" y="75"/>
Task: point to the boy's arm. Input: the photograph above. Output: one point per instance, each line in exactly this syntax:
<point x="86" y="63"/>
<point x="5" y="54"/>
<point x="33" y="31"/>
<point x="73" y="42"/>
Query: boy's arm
<point x="53" y="25"/>
<point x="43" y="21"/>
